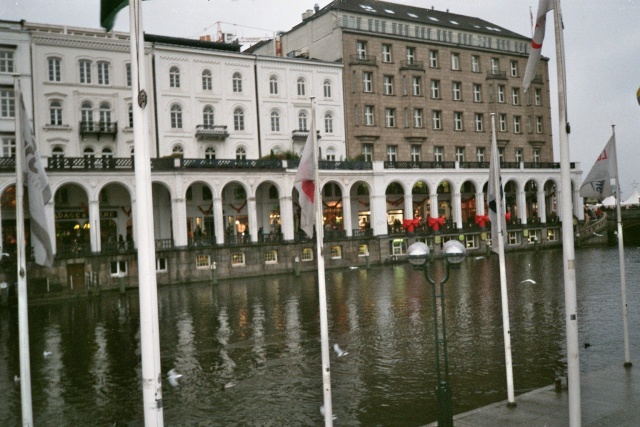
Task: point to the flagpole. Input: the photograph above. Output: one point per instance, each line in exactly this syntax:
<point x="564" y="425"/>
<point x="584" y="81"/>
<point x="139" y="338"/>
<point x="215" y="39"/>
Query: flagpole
<point x="506" y="329"/>
<point x="569" y="263"/>
<point x="322" y="290"/>
<point x="23" y="313"/>
<point x="623" y="279"/>
<point x="147" y="283"/>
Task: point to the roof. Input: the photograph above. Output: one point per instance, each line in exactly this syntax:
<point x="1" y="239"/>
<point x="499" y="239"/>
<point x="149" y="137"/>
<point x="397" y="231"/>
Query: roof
<point x="388" y="10"/>
<point x="202" y="44"/>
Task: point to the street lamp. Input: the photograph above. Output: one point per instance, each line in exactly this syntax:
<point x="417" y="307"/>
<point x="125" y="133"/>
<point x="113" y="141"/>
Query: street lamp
<point x="418" y="255"/>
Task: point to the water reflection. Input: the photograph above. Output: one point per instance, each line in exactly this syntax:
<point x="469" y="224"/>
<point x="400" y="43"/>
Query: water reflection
<point x="250" y="354"/>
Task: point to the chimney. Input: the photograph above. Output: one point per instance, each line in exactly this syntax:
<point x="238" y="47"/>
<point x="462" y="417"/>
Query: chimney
<point x="316" y="7"/>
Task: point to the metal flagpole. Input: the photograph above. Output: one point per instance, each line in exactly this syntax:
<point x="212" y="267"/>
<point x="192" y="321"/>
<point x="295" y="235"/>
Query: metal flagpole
<point x="147" y="284"/>
<point x="23" y="313"/>
<point x="569" y="262"/>
<point x="506" y="329"/>
<point x="322" y="291"/>
<point x="623" y="279"/>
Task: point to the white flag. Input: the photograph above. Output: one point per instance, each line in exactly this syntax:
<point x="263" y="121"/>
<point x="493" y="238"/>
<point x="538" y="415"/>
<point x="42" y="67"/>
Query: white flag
<point x="305" y="182"/>
<point x="495" y="198"/>
<point x="597" y="184"/>
<point x="37" y="184"/>
<point x="536" y="43"/>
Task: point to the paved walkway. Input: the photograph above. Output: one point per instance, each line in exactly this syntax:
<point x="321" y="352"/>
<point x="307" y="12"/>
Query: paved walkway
<point x="610" y="397"/>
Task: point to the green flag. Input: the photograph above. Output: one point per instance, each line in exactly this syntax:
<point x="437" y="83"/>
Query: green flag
<point x="109" y="10"/>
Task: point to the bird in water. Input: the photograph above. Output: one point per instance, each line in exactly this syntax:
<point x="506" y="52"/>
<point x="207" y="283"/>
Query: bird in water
<point x="529" y="281"/>
<point x="173" y="376"/>
<point x="340" y="352"/>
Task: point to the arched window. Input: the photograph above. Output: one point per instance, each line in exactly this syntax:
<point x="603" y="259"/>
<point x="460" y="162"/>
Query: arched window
<point x="238" y="119"/>
<point x="178" y="150"/>
<point x="302" y="120"/>
<point x="275" y="121"/>
<point x="331" y="154"/>
<point x="107" y="153"/>
<point x="237" y="82"/>
<point x="57" y="152"/>
<point x="328" y="123"/>
<point x="210" y="153"/>
<point x="55" y="113"/>
<point x="241" y="154"/>
<point x="105" y="115"/>
<point x="273" y="85"/>
<point x="86" y="113"/>
<point x="207" y="116"/>
<point x="207" y="80"/>
<point x="88" y="153"/>
<point x="174" y="77"/>
<point x="327" y="88"/>
<point x="301" y="88"/>
<point x="176" y="117"/>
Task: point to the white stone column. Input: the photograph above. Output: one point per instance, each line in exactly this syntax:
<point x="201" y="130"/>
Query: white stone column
<point x="408" y="206"/>
<point x="378" y="205"/>
<point x="134" y="223"/>
<point x="286" y="218"/>
<point x="346" y="216"/>
<point x="522" y="206"/>
<point x="542" y="206"/>
<point x="218" y="218"/>
<point x="253" y="219"/>
<point x="578" y="204"/>
<point x="94" y="225"/>
<point x="457" y="209"/>
<point x="179" y="215"/>
<point x="480" y="203"/>
<point x="433" y="205"/>
<point x="50" y="212"/>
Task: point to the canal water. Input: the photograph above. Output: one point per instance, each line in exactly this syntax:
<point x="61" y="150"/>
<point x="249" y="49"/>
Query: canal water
<point x="249" y="350"/>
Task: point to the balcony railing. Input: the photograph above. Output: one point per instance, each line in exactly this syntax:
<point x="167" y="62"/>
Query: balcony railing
<point x="89" y="162"/>
<point x="98" y="129"/>
<point x="496" y="75"/>
<point x="412" y="65"/>
<point x="211" y="132"/>
<point x="419" y="165"/>
<point x="362" y="60"/>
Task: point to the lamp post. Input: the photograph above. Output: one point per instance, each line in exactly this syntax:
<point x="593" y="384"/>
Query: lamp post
<point x="418" y="255"/>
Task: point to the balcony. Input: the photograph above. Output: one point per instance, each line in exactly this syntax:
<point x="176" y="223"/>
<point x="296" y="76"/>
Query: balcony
<point x="362" y="60"/>
<point x="98" y="129"/>
<point x="211" y="132"/>
<point x="496" y="75"/>
<point x="412" y="65"/>
<point x="302" y="134"/>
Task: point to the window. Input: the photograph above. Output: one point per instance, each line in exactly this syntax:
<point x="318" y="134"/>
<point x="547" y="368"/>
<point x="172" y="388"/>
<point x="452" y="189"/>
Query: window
<point x="241" y="154"/>
<point x="479" y="121"/>
<point x="328" y="123"/>
<point x="514" y="237"/>
<point x="55" y="113"/>
<point x="388" y="85"/>
<point x="238" y="119"/>
<point x="301" y="87"/>
<point x="6" y="61"/>
<point x="459" y="154"/>
<point x="273" y="85"/>
<point x="237" y="259"/>
<point x="392" y="153"/>
<point x="438" y="154"/>
<point x="539" y="128"/>
<point x="455" y="61"/>
<point x="331" y="154"/>
<point x="119" y="268"/>
<point x="502" y="122"/>
<point x="536" y="155"/>
<point x="85" y="71"/>
<point x="367" y="152"/>
<point x="398" y="247"/>
<point x="417" y="117"/>
<point x="128" y="77"/>
<point x="477" y="92"/>
<point x="501" y="94"/>
<point x="416" y="85"/>
<point x="518" y="155"/>
<point x="495" y="65"/>
<point x="176" y="117"/>
<point x="475" y="63"/>
<point x="54" y="69"/>
<point x="8" y="146"/>
<point x="307" y="254"/>
<point x="386" y="53"/>
<point x="326" y="86"/>
<point x="513" y="67"/>
<point x="367" y="81"/>
<point x="275" y="121"/>
<point x="456" y="88"/>
<point x="237" y="82"/>
<point x="415" y="153"/>
<point x="501" y="154"/>
<point x="368" y="115"/>
<point x="517" y="123"/>
<point x="436" y="119"/>
<point x="7" y="103"/>
<point x="208" y="117"/>
<point x="210" y="153"/>
<point x="103" y="73"/>
<point x="207" y="80"/>
<point x="271" y="257"/>
<point x="538" y="96"/>
<point x="361" y="49"/>
<point x="130" y="115"/>
<point x="515" y="96"/>
<point x="336" y="252"/>
<point x="435" y="89"/>
<point x="302" y="120"/>
<point x="363" y="250"/>
<point x="457" y="120"/>
<point x="480" y="154"/>
<point x="161" y="264"/>
<point x="411" y="55"/>
<point x="433" y="59"/>
<point x="174" y="77"/>
<point x="86" y="112"/>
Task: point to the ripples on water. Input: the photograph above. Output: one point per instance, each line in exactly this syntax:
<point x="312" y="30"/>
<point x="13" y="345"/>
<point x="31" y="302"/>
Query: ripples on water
<point x="249" y="350"/>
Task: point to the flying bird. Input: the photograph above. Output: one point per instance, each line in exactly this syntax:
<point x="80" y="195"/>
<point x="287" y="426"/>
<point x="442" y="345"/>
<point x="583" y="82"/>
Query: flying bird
<point x="172" y="377"/>
<point x="46" y="353"/>
<point x="529" y="281"/>
<point x="340" y="352"/>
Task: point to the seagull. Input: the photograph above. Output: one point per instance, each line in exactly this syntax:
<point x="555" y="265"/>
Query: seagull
<point x="353" y="268"/>
<point x="16" y="379"/>
<point x="529" y="281"/>
<point x="229" y="385"/>
<point x="324" y="413"/>
<point x="173" y="376"/>
<point x="340" y="352"/>
<point x="46" y="353"/>
<point x="596" y="234"/>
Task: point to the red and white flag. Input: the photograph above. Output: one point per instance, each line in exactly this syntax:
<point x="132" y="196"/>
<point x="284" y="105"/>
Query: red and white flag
<point x="597" y="184"/>
<point x="305" y="182"/>
<point x="536" y="43"/>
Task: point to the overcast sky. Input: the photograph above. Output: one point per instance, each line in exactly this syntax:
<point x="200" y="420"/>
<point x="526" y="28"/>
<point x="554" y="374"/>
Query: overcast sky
<point x="602" y="44"/>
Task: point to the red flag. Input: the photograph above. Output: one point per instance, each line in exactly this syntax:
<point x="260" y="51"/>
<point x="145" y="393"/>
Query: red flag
<point x="305" y="182"/>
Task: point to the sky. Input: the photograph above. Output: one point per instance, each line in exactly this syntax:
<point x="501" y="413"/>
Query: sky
<point x="601" y="39"/>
